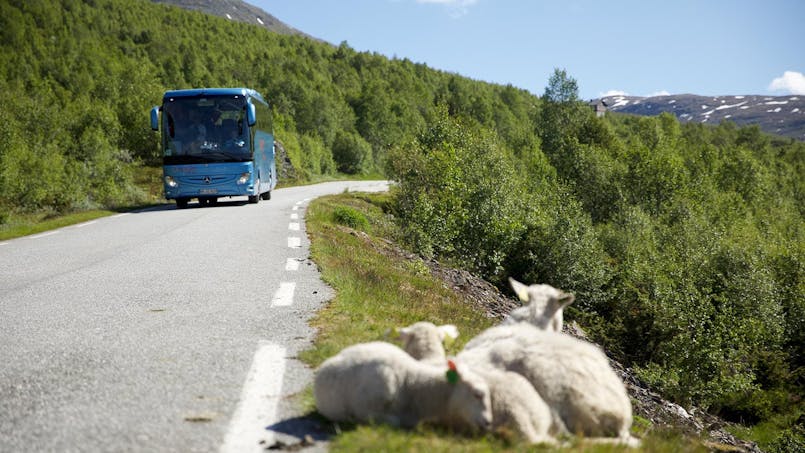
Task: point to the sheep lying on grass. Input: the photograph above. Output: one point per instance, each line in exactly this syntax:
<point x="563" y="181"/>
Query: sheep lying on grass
<point x="545" y="306"/>
<point x="572" y="376"/>
<point x="515" y="404"/>
<point x="379" y="382"/>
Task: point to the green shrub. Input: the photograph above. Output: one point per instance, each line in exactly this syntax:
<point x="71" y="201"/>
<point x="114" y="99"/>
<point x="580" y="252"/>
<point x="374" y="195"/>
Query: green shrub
<point x="352" y="154"/>
<point x="350" y="217"/>
<point x="460" y="197"/>
<point x="790" y="440"/>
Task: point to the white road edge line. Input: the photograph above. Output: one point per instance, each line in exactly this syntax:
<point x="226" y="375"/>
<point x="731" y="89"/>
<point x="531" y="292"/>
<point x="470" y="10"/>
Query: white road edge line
<point x="37" y="236"/>
<point x="259" y="398"/>
<point x="294" y="216"/>
<point x="284" y="295"/>
<point x="291" y="264"/>
<point x="294" y="243"/>
<point x="82" y="225"/>
<point x="293" y="226"/>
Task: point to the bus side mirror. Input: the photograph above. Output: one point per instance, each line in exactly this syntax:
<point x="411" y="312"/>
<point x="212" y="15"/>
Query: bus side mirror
<point x="251" y="115"/>
<point x="155" y="118"/>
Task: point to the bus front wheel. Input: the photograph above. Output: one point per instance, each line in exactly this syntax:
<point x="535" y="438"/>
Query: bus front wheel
<point x="254" y="199"/>
<point x="181" y="203"/>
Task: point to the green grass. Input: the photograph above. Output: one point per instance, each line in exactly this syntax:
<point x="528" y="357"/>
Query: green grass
<point x="24" y="225"/>
<point x="377" y="291"/>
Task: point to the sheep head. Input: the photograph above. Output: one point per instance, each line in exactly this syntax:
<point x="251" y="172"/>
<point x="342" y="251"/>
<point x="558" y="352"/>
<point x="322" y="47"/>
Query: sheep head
<point x="424" y="340"/>
<point x="470" y="404"/>
<point x="545" y="301"/>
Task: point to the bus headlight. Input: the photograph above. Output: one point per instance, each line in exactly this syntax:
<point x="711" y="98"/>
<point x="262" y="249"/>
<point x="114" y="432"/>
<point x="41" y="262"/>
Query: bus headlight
<point x="244" y="178"/>
<point x="170" y="182"/>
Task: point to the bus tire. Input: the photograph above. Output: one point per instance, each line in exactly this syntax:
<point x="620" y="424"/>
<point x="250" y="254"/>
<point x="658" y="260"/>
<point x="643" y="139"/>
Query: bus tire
<point x="254" y="199"/>
<point x="181" y="203"/>
<point x="266" y="195"/>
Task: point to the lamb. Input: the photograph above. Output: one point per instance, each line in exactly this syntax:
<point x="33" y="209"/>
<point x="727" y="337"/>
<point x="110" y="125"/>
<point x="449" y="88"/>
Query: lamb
<point x="424" y="341"/>
<point x="572" y="376"/>
<point x="515" y="403"/>
<point x="545" y="306"/>
<point x="379" y="382"/>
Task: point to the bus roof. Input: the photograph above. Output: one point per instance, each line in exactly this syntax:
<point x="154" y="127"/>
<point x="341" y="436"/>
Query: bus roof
<point x="212" y="92"/>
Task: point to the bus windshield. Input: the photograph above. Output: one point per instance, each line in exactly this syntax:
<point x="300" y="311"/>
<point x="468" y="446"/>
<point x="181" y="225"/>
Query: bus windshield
<point x="205" y="129"/>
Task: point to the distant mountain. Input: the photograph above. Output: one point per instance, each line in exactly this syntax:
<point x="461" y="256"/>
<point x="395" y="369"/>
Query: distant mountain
<point x="779" y="115"/>
<point x="237" y="10"/>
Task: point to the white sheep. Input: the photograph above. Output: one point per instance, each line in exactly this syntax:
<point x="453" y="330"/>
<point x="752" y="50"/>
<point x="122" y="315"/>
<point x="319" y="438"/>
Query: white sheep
<point x="425" y="341"/>
<point x="515" y="403"/>
<point x="572" y="376"/>
<point x="545" y="306"/>
<point x="379" y="382"/>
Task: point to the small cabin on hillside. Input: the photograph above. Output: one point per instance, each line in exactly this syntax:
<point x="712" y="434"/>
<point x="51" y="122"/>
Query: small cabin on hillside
<point x="599" y="107"/>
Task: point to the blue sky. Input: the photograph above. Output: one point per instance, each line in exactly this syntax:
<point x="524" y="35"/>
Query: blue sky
<point x="635" y="47"/>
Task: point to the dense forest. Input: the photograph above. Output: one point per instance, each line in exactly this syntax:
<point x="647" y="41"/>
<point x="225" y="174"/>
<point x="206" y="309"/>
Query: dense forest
<point x="685" y="244"/>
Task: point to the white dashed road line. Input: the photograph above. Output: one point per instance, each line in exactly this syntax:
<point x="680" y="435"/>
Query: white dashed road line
<point x="284" y="295"/>
<point x="262" y="390"/>
<point x="291" y="264"/>
<point x="257" y="408"/>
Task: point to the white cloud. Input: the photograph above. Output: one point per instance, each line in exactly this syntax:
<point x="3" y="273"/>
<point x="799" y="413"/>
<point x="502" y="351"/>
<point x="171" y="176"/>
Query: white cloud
<point x="659" y="93"/>
<point x="791" y="82"/>
<point x="613" y="93"/>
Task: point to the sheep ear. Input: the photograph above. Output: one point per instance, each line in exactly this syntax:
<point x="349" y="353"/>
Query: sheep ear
<point x="520" y="289"/>
<point x="452" y="372"/>
<point x="449" y="333"/>
<point x="566" y="299"/>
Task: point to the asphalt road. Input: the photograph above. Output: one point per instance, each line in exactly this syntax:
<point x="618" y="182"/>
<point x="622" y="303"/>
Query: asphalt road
<point x="160" y="330"/>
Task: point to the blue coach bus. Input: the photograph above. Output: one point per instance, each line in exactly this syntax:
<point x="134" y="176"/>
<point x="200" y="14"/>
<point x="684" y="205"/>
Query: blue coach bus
<point x="216" y="142"/>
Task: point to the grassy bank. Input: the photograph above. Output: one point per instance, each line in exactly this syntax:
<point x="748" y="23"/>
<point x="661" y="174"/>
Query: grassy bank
<point x="378" y="289"/>
<point x="17" y="224"/>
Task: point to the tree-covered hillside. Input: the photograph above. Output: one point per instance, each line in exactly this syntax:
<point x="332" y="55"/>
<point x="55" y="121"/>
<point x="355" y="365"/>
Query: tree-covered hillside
<point x="78" y="79"/>
<point x="684" y="243"/>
